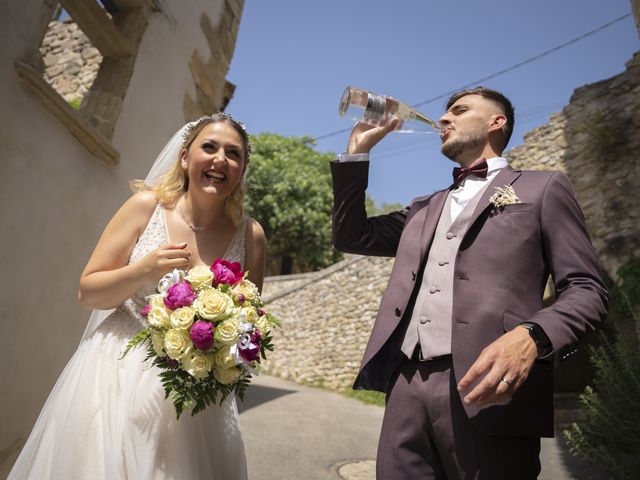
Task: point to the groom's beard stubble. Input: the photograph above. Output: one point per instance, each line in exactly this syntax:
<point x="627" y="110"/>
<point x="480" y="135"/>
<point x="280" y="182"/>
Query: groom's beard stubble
<point x="469" y="140"/>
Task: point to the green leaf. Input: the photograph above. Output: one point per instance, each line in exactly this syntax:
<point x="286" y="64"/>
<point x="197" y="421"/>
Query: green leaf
<point x="136" y="341"/>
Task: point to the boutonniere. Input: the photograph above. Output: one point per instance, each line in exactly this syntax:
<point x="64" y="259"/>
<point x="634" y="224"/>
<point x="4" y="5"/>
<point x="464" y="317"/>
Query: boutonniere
<point x="504" y="196"/>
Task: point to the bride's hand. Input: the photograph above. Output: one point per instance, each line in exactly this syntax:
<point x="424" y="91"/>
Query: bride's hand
<point x="164" y="259"/>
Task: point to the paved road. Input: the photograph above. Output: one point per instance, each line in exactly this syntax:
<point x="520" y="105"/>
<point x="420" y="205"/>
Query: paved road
<point x="294" y="432"/>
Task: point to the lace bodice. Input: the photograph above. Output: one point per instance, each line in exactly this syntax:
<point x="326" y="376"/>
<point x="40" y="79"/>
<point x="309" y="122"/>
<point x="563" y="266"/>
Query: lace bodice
<point x="126" y="319"/>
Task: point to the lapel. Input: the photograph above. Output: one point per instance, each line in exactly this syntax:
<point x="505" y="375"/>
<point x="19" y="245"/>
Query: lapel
<point x="506" y="176"/>
<point x="432" y="214"/>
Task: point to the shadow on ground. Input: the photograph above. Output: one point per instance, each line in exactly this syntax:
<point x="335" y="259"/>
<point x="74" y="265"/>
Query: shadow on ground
<point x="257" y="395"/>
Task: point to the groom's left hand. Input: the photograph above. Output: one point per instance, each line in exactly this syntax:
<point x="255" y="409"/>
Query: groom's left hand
<point x="501" y="369"/>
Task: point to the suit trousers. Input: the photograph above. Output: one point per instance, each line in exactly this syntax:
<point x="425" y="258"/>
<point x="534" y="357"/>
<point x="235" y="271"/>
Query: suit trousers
<point x="426" y="433"/>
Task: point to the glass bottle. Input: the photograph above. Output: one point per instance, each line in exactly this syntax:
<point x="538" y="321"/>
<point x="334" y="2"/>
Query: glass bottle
<point x="375" y="109"/>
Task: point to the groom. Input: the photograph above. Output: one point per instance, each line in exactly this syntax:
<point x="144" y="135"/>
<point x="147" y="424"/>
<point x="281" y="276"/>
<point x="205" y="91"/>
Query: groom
<point x="462" y="345"/>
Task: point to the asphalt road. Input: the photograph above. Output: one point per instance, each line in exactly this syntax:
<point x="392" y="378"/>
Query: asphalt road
<point x="295" y="432"/>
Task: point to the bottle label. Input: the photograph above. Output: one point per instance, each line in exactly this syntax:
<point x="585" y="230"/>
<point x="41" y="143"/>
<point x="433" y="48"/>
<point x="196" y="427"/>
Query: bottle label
<point x="376" y="106"/>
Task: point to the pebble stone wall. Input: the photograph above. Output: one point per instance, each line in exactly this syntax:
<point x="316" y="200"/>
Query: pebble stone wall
<point x="595" y="140"/>
<point x="71" y="63"/>
<point x="326" y="322"/>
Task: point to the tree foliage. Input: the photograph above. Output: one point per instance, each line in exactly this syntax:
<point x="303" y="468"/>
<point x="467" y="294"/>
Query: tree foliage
<point x="290" y="194"/>
<point x="610" y="434"/>
<point x="373" y="209"/>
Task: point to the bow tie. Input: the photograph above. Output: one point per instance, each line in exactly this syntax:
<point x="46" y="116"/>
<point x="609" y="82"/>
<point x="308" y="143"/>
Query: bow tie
<point x="479" y="170"/>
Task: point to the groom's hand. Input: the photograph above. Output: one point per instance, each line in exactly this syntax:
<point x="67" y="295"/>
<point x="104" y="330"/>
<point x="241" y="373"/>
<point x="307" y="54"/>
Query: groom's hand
<point x="501" y="369"/>
<point x="364" y="137"/>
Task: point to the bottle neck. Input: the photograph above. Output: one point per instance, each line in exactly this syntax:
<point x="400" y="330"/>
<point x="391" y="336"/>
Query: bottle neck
<point x="424" y="119"/>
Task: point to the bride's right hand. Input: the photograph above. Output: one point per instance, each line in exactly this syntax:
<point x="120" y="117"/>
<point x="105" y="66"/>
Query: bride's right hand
<point x="164" y="259"/>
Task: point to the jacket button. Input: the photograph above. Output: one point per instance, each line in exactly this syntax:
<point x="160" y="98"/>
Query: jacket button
<point x="461" y="276"/>
<point x="398" y="312"/>
<point x="413" y="276"/>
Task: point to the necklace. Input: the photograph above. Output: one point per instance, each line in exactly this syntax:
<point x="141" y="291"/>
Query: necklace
<point x="194" y="228"/>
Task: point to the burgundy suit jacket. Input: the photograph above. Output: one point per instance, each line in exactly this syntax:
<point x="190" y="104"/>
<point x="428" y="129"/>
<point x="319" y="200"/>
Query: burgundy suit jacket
<point x="501" y="270"/>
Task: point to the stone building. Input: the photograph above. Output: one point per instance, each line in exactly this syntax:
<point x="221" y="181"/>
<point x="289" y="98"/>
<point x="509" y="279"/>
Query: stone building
<point x="142" y="67"/>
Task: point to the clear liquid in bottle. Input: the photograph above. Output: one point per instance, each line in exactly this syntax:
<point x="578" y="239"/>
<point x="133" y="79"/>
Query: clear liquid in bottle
<point x="375" y="109"/>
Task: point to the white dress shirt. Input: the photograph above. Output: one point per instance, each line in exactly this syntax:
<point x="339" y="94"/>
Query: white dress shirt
<point x="460" y="195"/>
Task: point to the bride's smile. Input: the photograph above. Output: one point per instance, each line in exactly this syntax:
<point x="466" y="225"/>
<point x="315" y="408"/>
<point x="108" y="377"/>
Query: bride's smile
<point x="216" y="160"/>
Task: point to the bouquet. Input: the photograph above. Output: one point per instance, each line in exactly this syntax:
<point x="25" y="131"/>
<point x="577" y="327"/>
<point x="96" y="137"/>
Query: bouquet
<point x="206" y="333"/>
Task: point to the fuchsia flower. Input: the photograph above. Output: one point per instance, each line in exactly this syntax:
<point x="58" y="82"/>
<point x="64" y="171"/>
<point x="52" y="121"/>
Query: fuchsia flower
<point x="179" y="295"/>
<point x="145" y="310"/>
<point x="228" y="273"/>
<point x="201" y="334"/>
<point x="249" y="346"/>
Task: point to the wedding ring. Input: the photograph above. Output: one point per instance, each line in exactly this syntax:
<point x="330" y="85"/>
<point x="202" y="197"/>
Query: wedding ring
<point x="506" y="380"/>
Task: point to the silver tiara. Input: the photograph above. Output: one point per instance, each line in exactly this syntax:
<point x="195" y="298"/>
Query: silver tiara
<point x="216" y="117"/>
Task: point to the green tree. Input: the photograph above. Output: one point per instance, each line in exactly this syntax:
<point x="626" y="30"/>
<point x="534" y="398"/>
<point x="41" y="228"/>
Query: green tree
<point x="373" y="209"/>
<point x="609" y="436"/>
<point x="290" y="194"/>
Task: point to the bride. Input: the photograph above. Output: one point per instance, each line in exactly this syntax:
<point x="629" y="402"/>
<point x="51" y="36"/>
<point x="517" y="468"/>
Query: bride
<point x="107" y="417"/>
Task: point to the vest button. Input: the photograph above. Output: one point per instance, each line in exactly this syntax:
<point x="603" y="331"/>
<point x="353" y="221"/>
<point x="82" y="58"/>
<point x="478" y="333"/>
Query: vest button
<point x="450" y="235"/>
<point x="442" y="263"/>
<point x="424" y="320"/>
<point x="433" y="290"/>
<point x="398" y="312"/>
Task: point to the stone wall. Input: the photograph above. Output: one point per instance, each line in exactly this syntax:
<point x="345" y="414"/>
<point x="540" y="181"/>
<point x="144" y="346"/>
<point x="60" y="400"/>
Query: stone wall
<point x="326" y="322"/>
<point x="71" y="62"/>
<point x="595" y="140"/>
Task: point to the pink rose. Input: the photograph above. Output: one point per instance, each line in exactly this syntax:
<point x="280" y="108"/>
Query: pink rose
<point x="145" y="310"/>
<point x="228" y="273"/>
<point x="179" y="295"/>
<point x="201" y="334"/>
<point x="249" y="346"/>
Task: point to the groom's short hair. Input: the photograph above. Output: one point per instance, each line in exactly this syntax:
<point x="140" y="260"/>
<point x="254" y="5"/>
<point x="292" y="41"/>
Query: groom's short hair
<point x="498" y="99"/>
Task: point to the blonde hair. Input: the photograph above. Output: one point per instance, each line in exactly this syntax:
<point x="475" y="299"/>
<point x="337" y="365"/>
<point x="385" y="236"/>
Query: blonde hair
<point x="173" y="184"/>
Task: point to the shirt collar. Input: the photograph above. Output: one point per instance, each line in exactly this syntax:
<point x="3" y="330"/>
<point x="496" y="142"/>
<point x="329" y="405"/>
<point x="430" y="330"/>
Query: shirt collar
<point x="496" y="163"/>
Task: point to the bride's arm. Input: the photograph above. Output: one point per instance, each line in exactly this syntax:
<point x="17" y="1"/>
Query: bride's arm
<point x="108" y="280"/>
<point x="255" y="252"/>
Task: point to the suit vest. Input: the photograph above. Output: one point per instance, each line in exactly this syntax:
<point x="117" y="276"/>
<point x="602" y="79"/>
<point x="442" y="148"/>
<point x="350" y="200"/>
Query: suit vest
<point x="431" y="319"/>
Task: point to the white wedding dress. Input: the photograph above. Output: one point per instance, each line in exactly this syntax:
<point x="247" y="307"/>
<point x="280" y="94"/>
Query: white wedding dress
<point x="107" y="417"/>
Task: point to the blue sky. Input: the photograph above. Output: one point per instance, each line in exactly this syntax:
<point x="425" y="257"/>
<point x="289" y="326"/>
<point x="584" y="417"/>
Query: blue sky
<point x="293" y="59"/>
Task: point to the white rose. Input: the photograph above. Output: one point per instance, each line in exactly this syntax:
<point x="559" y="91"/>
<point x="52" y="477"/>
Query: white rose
<point x="159" y="316"/>
<point x="182" y="317"/>
<point x="250" y="315"/>
<point x="197" y="364"/>
<point x="247" y="289"/>
<point x="263" y="325"/>
<point x="223" y="358"/>
<point x="214" y="305"/>
<point x="155" y="300"/>
<point x="227" y="376"/>
<point x="227" y="332"/>
<point x="177" y="343"/>
<point x="200" y="277"/>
